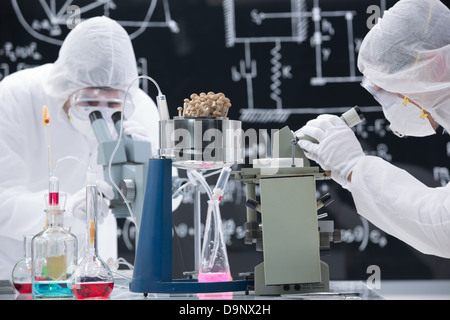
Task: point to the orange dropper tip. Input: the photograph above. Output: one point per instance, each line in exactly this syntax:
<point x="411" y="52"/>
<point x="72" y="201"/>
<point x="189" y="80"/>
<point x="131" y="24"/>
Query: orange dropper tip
<point x="92" y="232"/>
<point x="45" y="116"/>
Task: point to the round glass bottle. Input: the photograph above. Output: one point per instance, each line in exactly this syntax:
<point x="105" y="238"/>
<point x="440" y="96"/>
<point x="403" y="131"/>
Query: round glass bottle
<point x="21" y="274"/>
<point x="92" y="278"/>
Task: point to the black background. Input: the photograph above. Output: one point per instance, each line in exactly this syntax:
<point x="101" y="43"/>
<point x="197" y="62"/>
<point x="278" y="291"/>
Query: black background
<point x="197" y="59"/>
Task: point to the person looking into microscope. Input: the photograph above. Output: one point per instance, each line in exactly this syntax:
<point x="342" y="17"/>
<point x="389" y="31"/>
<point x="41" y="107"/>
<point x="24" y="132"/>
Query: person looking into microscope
<point x="96" y="63"/>
<point x="405" y="60"/>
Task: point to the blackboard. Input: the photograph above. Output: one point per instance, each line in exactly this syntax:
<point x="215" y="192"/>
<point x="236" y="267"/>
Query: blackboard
<point x="280" y="63"/>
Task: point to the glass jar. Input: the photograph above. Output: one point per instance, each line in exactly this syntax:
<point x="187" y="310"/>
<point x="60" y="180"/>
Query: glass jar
<point x="54" y="258"/>
<point x="21" y="274"/>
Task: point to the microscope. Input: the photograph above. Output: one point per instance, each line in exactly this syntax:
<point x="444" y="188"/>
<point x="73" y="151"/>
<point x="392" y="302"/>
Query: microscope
<point x="129" y="165"/>
<point x="291" y="234"/>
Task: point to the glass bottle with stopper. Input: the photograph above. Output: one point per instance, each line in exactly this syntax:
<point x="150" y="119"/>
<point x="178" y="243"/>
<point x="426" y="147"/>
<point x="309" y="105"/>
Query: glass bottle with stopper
<point x="54" y="250"/>
<point x="92" y="278"/>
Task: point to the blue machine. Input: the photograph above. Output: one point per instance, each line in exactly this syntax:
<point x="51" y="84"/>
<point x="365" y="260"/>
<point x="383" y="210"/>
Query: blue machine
<point x="153" y="262"/>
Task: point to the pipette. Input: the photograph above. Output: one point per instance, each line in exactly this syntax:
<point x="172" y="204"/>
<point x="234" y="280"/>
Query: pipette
<point x="92" y="203"/>
<point x="219" y="189"/>
<point x="46" y="122"/>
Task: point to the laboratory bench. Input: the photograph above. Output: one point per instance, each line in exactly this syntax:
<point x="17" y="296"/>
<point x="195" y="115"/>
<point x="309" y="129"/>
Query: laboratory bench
<point x="339" y="290"/>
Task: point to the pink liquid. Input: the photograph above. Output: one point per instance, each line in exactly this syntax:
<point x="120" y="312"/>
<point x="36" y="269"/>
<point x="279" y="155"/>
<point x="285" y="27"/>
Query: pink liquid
<point x="23" y="287"/>
<point x="92" y="290"/>
<point x="53" y="198"/>
<point x="215" y="277"/>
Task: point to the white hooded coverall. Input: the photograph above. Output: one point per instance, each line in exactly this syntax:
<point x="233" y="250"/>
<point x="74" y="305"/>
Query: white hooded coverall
<point x="97" y="52"/>
<point x="408" y="52"/>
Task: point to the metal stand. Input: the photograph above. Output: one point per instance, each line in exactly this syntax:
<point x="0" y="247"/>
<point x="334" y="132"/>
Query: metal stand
<point x="153" y="263"/>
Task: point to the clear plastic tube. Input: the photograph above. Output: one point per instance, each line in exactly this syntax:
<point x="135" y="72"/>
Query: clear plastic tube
<point x="194" y="174"/>
<point x="120" y="138"/>
<point x="221" y="183"/>
<point x="69" y="158"/>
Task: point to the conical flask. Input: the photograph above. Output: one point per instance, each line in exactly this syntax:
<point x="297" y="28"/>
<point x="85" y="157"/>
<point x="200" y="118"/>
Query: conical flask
<point x="214" y="265"/>
<point x="92" y="278"/>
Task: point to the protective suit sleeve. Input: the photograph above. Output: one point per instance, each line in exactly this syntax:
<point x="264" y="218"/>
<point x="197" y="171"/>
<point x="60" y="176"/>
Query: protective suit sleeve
<point x="21" y="209"/>
<point x="401" y="205"/>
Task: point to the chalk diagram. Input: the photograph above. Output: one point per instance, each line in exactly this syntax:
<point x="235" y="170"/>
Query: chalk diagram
<point x="51" y="26"/>
<point x="300" y="22"/>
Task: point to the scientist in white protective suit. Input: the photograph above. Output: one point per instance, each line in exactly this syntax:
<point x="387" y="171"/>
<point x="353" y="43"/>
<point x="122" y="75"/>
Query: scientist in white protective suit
<point x="95" y="62"/>
<point x="405" y="60"/>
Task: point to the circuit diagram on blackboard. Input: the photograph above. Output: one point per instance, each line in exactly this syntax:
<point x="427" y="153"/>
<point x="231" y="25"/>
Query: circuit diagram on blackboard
<point x="47" y="21"/>
<point x="292" y="27"/>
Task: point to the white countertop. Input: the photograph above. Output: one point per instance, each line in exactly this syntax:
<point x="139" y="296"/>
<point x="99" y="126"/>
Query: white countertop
<point x="339" y="290"/>
<point x="414" y="289"/>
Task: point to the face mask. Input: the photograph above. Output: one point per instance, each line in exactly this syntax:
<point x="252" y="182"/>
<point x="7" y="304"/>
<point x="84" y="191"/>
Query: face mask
<point x="83" y="127"/>
<point x="405" y="118"/>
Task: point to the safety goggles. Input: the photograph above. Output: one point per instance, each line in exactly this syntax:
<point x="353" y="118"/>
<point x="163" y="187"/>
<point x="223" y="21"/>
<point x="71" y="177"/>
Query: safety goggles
<point x="385" y="99"/>
<point x="106" y="100"/>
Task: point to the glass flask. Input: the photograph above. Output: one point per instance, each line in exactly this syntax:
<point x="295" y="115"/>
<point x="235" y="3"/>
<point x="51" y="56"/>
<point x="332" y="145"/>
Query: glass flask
<point x="21" y="274"/>
<point x="54" y="254"/>
<point x="92" y="278"/>
<point x="214" y="264"/>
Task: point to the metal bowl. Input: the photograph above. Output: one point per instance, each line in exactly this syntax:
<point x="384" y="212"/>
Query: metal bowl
<point x="203" y="143"/>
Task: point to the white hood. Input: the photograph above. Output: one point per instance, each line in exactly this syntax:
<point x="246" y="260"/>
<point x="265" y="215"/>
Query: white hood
<point x="97" y="53"/>
<point x="408" y="52"/>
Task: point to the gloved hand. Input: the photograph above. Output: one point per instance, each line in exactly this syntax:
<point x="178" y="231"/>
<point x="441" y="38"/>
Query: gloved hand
<point x="136" y="131"/>
<point x="77" y="202"/>
<point x="338" y="149"/>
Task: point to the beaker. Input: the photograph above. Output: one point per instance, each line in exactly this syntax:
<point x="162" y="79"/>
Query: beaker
<point x="54" y="258"/>
<point x="92" y="278"/>
<point x="214" y="264"/>
<point x="21" y="274"/>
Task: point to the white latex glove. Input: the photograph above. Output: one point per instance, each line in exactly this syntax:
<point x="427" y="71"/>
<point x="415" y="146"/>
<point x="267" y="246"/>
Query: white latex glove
<point x="338" y="149"/>
<point x="77" y="202"/>
<point x="136" y="131"/>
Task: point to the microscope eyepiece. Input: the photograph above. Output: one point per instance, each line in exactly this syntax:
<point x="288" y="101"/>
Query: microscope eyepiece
<point x="94" y="115"/>
<point x="116" y="116"/>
